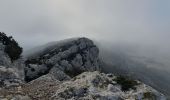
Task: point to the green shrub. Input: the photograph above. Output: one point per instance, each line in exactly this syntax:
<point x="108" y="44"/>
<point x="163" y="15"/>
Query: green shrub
<point x="126" y="83"/>
<point x="149" y="96"/>
<point x="11" y="46"/>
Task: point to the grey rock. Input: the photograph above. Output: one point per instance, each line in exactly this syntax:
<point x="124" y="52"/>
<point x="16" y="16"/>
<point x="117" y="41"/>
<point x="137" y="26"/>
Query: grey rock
<point x="72" y="57"/>
<point x="58" y="74"/>
<point x="17" y="65"/>
<point x="86" y="86"/>
<point x="4" y="59"/>
<point x="96" y="86"/>
<point x="33" y="71"/>
<point x="9" y="77"/>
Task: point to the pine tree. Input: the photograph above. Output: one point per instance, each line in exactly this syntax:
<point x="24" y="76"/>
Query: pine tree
<point x="11" y="46"/>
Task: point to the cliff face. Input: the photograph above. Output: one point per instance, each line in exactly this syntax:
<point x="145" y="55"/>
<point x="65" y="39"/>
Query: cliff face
<point x="68" y="70"/>
<point x="70" y="58"/>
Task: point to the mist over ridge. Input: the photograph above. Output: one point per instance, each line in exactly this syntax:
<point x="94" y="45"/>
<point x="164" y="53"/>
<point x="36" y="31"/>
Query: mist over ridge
<point x="131" y="35"/>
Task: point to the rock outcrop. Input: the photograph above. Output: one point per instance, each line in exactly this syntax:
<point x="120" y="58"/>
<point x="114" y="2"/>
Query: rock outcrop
<point x="70" y="58"/>
<point x="100" y="86"/>
<point x="4" y="59"/>
<point x="9" y="77"/>
<point x="10" y="72"/>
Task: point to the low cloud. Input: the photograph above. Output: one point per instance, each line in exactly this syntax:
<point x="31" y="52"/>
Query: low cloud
<point x="135" y="22"/>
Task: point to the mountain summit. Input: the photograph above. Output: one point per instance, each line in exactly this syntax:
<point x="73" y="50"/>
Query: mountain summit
<point x="68" y="57"/>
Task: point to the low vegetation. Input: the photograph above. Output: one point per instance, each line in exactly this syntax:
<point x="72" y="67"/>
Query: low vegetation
<point x="126" y="83"/>
<point x="149" y="96"/>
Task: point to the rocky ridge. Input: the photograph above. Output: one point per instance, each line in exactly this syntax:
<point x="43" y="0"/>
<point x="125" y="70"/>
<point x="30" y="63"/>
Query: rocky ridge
<point x="69" y="59"/>
<point x="67" y="71"/>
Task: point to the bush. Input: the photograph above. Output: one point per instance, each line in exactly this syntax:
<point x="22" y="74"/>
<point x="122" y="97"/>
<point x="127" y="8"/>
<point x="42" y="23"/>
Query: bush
<point x="11" y="46"/>
<point x="126" y="83"/>
<point x="149" y="96"/>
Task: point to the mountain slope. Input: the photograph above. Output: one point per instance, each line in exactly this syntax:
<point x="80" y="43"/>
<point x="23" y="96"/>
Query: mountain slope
<point x="122" y="60"/>
<point x="69" y="70"/>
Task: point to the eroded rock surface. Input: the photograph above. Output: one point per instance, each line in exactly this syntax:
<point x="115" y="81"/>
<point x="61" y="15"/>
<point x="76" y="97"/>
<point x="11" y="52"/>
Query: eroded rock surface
<point x="9" y="77"/>
<point x="71" y="58"/>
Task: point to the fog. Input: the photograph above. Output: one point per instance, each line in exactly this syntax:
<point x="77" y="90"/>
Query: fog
<point x="37" y="22"/>
<point x="135" y="28"/>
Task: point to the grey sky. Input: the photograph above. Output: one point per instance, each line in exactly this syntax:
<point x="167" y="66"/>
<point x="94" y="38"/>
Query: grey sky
<point x="34" y="22"/>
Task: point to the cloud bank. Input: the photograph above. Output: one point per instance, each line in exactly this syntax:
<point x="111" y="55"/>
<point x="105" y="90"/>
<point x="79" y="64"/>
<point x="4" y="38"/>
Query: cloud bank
<point x="36" y="22"/>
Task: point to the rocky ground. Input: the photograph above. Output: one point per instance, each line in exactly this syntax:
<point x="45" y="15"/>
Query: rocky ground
<point x="86" y="86"/>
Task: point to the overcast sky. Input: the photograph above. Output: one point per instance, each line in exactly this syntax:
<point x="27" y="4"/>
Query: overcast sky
<point x="34" y="22"/>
